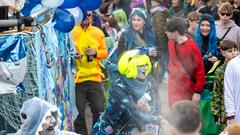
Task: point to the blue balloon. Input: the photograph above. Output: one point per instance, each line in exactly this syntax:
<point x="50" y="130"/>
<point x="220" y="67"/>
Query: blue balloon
<point x="27" y="8"/>
<point x="35" y="1"/>
<point x="84" y="14"/>
<point x="52" y="3"/>
<point x="90" y="4"/>
<point x="64" y="21"/>
<point x="70" y="4"/>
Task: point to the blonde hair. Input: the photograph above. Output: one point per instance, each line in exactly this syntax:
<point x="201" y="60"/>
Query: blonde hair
<point x="226" y="7"/>
<point x="223" y="1"/>
<point x="194" y="15"/>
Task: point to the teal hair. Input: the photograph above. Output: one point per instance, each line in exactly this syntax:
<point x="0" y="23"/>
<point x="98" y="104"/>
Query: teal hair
<point x="148" y="33"/>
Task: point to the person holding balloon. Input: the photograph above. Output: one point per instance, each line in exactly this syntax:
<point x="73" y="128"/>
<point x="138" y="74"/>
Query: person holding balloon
<point x="91" y="48"/>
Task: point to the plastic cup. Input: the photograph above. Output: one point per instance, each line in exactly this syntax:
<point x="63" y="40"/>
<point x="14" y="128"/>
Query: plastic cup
<point x="145" y="98"/>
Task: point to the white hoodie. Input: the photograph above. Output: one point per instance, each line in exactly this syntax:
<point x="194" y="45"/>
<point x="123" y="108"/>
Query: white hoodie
<point x="33" y="115"/>
<point x="233" y="34"/>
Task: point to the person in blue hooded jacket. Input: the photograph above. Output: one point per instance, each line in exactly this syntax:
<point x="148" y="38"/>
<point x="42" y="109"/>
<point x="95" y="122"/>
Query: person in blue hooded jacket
<point x="126" y="112"/>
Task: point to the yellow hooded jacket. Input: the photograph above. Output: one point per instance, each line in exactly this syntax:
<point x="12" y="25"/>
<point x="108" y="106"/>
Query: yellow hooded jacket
<point x="92" y="37"/>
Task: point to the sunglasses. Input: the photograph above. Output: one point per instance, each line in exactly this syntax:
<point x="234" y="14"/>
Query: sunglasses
<point x="227" y="14"/>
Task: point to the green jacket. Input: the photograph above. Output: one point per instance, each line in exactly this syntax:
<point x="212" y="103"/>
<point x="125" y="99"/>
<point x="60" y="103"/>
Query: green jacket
<point x="217" y="102"/>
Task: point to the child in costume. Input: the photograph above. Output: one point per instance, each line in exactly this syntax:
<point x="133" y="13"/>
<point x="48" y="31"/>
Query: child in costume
<point x="40" y="118"/>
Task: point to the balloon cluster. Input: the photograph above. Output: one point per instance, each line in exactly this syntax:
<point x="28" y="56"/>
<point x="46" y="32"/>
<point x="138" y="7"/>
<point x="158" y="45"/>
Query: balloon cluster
<point x="67" y="13"/>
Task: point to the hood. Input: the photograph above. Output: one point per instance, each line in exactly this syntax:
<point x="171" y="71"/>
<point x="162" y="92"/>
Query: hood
<point x="33" y="115"/>
<point x="231" y="24"/>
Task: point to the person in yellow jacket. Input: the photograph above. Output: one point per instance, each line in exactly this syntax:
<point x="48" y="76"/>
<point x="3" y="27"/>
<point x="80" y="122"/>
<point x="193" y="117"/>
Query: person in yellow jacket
<point x="90" y="46"/>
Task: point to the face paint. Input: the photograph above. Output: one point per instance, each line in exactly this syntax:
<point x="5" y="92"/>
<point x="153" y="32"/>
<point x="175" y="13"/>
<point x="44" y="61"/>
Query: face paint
<point x="142" y="72"/>
<point x="49" y="124"/>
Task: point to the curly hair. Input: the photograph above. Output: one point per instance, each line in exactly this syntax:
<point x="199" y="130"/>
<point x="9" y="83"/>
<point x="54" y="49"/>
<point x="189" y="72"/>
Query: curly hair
<point x="212" y="40"/>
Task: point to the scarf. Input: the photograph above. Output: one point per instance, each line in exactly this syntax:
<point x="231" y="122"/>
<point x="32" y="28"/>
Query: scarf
<point x="137" y="87"/>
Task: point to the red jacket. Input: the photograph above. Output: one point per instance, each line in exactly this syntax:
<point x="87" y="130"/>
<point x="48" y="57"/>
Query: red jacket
<point x="180" y="85"/>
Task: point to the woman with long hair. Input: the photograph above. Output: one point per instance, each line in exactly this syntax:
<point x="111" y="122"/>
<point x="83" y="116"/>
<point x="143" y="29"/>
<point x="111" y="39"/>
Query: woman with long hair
<point x="139" y="33"/>
<point x="206" y="39"/>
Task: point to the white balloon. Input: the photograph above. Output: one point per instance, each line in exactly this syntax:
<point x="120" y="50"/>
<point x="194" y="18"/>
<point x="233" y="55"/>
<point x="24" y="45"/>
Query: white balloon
<point x="52" y="3"/>
<point x="77" y="14"/>
<point x="19" y="4"/>
<point x="37" y="8"/>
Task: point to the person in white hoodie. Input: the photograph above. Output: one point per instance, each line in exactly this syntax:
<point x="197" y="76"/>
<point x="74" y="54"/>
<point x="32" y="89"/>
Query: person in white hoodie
<point x="232" y="90"/>
<point x="225" y="24"/>
<point x="39" y="117"/>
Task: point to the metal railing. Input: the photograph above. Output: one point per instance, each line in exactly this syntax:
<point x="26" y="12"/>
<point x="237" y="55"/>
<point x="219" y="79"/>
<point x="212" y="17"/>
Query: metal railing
<point x="24" y="19"/>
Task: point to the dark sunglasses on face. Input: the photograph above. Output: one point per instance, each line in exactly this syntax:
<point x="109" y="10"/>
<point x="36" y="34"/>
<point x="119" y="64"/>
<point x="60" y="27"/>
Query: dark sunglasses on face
<point x="227" y="14"/>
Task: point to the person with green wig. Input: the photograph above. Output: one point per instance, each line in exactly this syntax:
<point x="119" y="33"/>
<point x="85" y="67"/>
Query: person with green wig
<point x="122" y="20"/>
<point x="132" y="102"/>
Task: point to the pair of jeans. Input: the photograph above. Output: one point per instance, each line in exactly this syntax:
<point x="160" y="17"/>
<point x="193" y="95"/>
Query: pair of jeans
<point x="88" y="92"/>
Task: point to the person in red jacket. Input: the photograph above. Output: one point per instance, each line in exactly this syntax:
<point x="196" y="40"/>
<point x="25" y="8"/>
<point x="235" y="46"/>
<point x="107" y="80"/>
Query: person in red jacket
<point x="186" y="69"/>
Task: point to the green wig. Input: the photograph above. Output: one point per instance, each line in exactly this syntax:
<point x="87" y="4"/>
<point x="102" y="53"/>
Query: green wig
<point x="127" y="64"/>
<point x="121" y="17"/>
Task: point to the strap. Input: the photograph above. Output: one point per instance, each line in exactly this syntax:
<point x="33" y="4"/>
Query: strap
<point x="123" y="127"/>
<point x="113" y="50"/>
<point x="184" y="66"/>
<point x="225" y="34"/>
